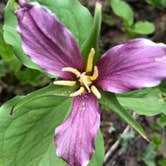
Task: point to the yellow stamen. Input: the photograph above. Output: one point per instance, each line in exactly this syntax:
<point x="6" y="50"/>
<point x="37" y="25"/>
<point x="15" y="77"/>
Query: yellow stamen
<point x="65" y="83"/>
<point x="85" y="81"/>
<point x="78" y="92"/>
<point x="95" y="74"/>
<point x="95" y="91"/>
<point x="90" y="60"/>
<point x="72" y="70"/>
<point x="87" y="87"/>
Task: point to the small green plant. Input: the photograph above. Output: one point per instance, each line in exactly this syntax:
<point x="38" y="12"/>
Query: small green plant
<point x="157" y="2"/>
<point x="151" y="153"/>
<point x="125" y="12"/>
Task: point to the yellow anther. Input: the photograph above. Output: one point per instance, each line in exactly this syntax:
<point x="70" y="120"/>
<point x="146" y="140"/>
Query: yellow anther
<point x="95" y="91"/>
<point x="95" y="74"/>
<point x="89" y="66"/>
<point x="78" y="92"/>
<point x="72" y="70"/>
<point x="65" y="83"/>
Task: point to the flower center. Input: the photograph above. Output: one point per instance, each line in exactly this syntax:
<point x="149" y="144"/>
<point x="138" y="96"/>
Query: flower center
<point x="85" y="79"/>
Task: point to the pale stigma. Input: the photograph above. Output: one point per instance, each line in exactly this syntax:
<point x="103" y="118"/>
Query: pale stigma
<point x="95" y="74"/>
<point x="65" y="83"/>
<point x="89" y="66"/>
<point x="78" y="92"/>
<point x="95" y="91"/>
<point x="72" y="70"/>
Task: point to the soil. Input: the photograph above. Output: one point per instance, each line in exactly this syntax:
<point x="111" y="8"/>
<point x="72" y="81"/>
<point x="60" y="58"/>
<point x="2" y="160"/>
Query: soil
<point x="112" y="126"/>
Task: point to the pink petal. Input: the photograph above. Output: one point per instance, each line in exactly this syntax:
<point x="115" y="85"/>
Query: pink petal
<point x="75" y="137"/>
<point x="136" y="64"/>
<point x="47" y="42"/>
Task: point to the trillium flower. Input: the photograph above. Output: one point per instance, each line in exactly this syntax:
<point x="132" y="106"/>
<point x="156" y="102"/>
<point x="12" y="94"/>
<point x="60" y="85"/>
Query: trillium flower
<point x="133" y="65"/>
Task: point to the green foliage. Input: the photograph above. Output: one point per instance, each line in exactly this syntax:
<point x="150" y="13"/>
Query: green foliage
<point x="70" y="12"/>
<point x="161" y="121"/>
<point x="2" y="69"/>
<point x="27" y="136"/>
<point x="7" y="54"/>
<point x="29" y="76"/>
<point x="98" y="157"/>
<point x="157" y="2"/>
<point x="162" y="162"/>
<point x="151" y="153"/>
<point x="11" y="65"/>
<point x="147" y="101"/>
<point x="125" y="12"/>
<point x="92" y="41"/>
<point x="110" y="102"/>
<point x="143" y="27"/>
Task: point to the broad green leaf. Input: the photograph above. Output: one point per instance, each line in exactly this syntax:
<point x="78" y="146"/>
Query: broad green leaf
<point x="32" y="77"/>
<point x="27" y="136"/>
<point x="123" y="10"/>
<point x="70" y="12"/>
<point x="110" y="101"/>
<point x="143" y="27"/>
<point x="2" y="69"/>
<point x="92" y="41"/>
<point x="48" y="91"/>
<point x="7" y="54"/>
<point x="147" y="101"/>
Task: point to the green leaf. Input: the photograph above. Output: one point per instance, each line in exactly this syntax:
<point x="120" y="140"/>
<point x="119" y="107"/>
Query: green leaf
<point x="162" y="162"/>
<point x="98" y="157"/>
<point x="70" y="12"/>
<point x="27" y="136"/>
<point x="147" y="101"/>
<point x="143" y="27"/>
<point x="2" y="69"/>
<point x="48" y="91"/>
<point x="149" y="155"/>
<point x="92" y="41"/>
<point x="7" y="54"/>
<point x="32" y="77"/>
<point x="110" y="101"/>
<point x="157" y="2"/>
<point x="161" y="121"/>
<point x="123" y="10"/>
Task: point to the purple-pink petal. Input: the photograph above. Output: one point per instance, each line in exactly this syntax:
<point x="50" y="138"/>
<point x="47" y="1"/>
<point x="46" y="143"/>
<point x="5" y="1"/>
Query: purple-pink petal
<point x="136" y="64"/>
<point x="46" y="41"/>
<point x="75" y="137"/>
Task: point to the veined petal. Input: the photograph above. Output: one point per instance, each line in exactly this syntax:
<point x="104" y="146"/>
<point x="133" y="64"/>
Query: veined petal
<point x="46" y="41"/>
<point x="136" y="64"/>
<point x="75" y="137"/>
